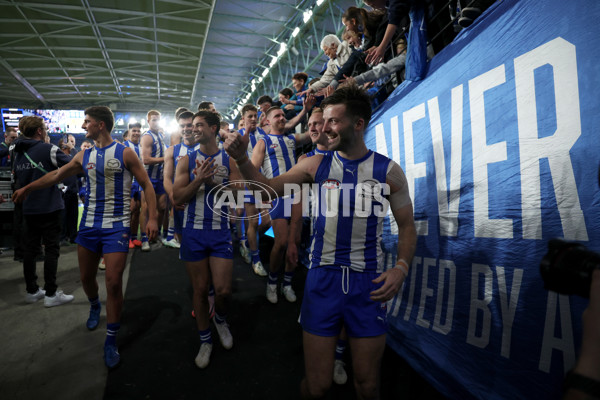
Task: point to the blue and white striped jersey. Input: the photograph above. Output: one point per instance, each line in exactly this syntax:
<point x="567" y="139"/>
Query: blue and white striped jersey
<point x="254" y="138"/>
<point x="311" y="195"/>
<point x="155" y="171"/>
<point x="280" y="154"/>
<point x="181" y="150"/>
<point x="134" y="147"/>
<point x="348" y="220"/>
<point x="200" y="212"/>
<point x="107" y="188"/>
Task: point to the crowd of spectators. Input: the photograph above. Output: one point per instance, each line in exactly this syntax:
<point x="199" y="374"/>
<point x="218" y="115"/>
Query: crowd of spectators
<point x="374" y="47"/>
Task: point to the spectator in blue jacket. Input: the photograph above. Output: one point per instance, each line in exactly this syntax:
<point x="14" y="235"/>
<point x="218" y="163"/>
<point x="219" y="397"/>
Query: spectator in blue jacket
<point x="42" y="210"/>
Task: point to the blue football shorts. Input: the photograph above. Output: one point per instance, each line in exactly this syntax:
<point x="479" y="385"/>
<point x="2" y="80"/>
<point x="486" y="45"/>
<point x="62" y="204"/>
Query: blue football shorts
<point x="158" y="186"/>
<point x="335" y="296"/>
<point x="198" y="244"/>
<point x="281" y="208"/>
<point x="136" y="190"/>
<point x="104" y="241"/>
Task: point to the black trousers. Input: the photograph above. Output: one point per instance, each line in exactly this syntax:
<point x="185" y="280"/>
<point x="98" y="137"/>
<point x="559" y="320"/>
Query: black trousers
<point x="18" y="230"/>
<point x="69" y="217"/>
<point x="44" y="227"/>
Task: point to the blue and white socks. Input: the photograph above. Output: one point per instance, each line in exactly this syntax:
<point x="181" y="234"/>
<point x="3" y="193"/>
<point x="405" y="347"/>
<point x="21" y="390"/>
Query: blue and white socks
<point x="111" y="333"/>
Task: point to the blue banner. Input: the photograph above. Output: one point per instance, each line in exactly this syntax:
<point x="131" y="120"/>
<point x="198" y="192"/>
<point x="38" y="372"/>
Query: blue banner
<point x="416" y="53"/>
<point x="500" y="143"/>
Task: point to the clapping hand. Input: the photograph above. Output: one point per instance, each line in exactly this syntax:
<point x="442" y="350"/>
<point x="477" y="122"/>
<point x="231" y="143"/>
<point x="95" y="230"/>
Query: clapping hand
<point x="205" y="170"/>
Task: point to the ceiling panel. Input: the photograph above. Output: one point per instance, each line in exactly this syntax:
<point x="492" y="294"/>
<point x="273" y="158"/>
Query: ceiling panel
<point x="154" y="53"/>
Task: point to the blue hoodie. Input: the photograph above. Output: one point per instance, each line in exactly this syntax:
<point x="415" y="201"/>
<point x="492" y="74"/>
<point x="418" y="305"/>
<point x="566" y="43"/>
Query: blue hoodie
<point x="50" y="158"/>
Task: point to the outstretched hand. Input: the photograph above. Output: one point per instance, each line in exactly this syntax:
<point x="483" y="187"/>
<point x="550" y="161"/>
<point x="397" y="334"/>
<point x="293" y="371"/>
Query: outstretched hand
<point x="375" y="55"/>
<point x="300" y="94"/>
<point x="310" y="101"/>
<point x="348" y="80"/>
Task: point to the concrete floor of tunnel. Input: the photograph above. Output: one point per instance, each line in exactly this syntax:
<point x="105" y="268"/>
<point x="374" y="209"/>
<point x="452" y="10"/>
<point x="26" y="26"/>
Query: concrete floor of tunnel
<point x="50" y="353"/>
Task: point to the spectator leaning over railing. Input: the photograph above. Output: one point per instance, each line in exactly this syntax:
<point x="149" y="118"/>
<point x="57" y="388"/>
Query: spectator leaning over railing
<point x="370" y="25"/>
<point x="338" y="53"/>
<point x="398" y="20"/>
<point x="379" y="71"/>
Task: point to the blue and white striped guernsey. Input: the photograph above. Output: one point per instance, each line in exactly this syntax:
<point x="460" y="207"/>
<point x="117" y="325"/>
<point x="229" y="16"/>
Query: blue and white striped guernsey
<point x="134" y="147"/>
<point x="181" y="150"/>
<point x="280" y="154"/>
<point x="107" y="188"/>
<point x="254" y="138"/>
<point x="311" y="195"/>
<point x="200" y="212"/>
<point x="155" y="171"/>
<point x="343" y="237"/>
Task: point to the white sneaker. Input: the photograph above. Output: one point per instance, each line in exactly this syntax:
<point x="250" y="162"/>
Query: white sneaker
<point x="245" y="253"/>
<point x="33" y="297"/>
<point x="58" y="299"/>
<point x="339" y="373"/>
<point x="259" y="269"/>
<point x="203" y="356"/>
<point x="224" y="335"/>
<point x="173" y="243"/>
<point x="101" y="265"/>
<point x="289" y="293"/>
<point x="272" y="293"/>
<point x="145" y="246"/>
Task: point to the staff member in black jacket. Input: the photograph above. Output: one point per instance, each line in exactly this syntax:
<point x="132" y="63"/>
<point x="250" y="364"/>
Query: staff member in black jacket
<point x="34" y="158"/>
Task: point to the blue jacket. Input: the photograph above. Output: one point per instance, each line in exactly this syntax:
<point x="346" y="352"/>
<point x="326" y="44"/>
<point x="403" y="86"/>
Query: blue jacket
<point x="50" y="158"/>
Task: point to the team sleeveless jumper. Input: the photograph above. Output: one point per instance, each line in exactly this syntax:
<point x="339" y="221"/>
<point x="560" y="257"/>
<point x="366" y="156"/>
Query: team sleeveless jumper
<point x="107" y="188"/>
<point x="134" y="147"/>
<point x="346" y="233"/>
<point x="200" y="212"/>
<point x="181" y="150"/>
<point x="280" y="154"/>
<point x="311" y="195"/>
<point x="254" y="138"/>
<point x="155" y="171"/>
